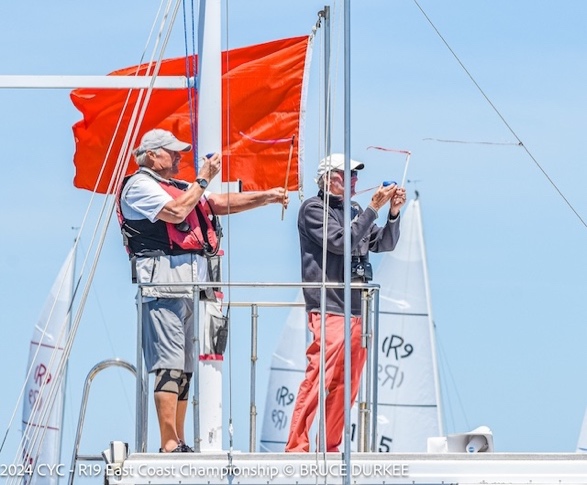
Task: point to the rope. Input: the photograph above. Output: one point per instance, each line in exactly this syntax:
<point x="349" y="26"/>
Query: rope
<point x="229" y="251"/>
<point x="406" y="152"/>
<point x="191" y="73"/>
<point x="330" y="94"/>
<point x="473" y="142"/>
<point x="38" y="412"/>
<point x="103" y="219"/>
<point x="501" y="117"/>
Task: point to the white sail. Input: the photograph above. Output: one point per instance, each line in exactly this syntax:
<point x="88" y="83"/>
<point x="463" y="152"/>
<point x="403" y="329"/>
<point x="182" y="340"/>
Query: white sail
<point x="582" y="441"/>
<point x="42" y="426"/>
<point x="408" y="410"/>
<point x="288" y="366"/>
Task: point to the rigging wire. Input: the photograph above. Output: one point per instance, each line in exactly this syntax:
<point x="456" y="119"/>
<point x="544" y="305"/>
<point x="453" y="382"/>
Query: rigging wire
<point x="229" y="251"/>
<point x="504" y="121"/>
<point x="326" y="109"/>
<point x="108" y="208"/>
<point x="33" y="442"/>
<point x="191" y="72"/>
<point x="325" y="113"/>
<point x="444" y="360"/>
<point x="519" y="144"/>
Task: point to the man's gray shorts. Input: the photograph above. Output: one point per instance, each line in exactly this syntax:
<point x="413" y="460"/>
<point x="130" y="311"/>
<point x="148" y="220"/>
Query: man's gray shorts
<point x="168" y="331"/>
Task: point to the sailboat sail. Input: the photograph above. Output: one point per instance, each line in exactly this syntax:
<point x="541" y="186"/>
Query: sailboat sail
<point x="582" y="441"/>
<point x="41" y="425"/>
<point x="408" y="410"/>
<point x="288" y="365"/>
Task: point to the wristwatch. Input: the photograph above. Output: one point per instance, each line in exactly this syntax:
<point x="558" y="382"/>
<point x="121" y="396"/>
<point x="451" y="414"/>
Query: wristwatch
<point x="202" y="183"/>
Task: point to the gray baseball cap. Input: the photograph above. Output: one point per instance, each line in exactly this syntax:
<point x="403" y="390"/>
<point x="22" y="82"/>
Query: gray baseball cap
<point x="159" y="138"/>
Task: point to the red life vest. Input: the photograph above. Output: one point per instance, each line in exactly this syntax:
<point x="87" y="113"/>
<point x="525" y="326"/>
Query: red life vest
<point x="197" y="233"/>
<point x="200" y="231"/>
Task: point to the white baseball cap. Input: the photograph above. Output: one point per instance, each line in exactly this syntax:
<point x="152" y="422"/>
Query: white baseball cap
<point x="336" y="162"/>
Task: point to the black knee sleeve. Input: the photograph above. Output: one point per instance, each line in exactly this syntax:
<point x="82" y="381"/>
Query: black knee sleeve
<point x="168" y="380"/>
<point x="184" y="386"/>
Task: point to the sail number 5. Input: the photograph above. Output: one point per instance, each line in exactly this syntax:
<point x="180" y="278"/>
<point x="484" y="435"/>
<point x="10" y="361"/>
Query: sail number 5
<point x="384" y="442"/>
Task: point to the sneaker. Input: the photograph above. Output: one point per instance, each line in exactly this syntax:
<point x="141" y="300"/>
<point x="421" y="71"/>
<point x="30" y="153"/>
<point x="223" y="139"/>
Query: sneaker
<point x="185" y="448"/>
<point x="179" y="449"/>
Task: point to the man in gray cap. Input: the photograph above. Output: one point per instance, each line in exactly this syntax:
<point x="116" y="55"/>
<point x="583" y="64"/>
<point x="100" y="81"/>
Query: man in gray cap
<point x="365" y="236"/>
<point x="170" y="230"/>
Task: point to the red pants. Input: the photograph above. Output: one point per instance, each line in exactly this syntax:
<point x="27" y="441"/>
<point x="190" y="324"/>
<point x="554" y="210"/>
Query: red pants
<point x="307" y="400"/>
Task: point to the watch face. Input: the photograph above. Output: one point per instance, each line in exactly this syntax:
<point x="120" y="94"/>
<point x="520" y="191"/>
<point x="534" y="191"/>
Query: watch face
<point x="202" y="182"/>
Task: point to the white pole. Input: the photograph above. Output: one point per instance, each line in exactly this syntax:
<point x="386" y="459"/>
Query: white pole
<point x="210" y="83"/>
<point x="209" y="374"/>
<point x="93" y="82"/>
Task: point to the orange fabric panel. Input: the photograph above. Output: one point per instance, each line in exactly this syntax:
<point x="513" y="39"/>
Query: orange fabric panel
<point x="261" y="102"/>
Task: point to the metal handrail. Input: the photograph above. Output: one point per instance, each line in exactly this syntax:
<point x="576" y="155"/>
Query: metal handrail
<point x="100" y="366"/>
<point x="367" y="414"/>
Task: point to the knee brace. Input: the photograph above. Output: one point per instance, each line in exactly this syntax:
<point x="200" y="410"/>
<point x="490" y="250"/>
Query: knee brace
<point x="168" y="380"/>
<point x="184" y="387"/>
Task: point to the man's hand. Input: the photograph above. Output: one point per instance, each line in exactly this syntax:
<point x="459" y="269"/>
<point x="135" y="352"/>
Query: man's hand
<point x="382" y="196"/>
<point x="397" y="201"/>
<point x="277" y="195"/>
<point x="210" y="168"/>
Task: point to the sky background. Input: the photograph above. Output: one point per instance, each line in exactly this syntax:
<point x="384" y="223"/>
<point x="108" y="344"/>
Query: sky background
<point x="506" y="254"/>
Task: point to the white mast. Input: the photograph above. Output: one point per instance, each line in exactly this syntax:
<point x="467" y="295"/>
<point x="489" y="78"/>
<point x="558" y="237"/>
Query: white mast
<point x="208" y="377"/>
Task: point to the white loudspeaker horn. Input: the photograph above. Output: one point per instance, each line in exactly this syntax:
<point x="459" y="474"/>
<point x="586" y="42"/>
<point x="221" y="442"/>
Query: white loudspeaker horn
<point x="480" y="440"/>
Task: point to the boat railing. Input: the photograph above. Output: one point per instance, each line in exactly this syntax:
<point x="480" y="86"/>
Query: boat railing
<point x="99" y="367"/>
<point x="367" y="410"/>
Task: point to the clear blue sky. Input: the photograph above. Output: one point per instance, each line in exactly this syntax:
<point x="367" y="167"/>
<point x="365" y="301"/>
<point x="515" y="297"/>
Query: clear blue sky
<point x="506" y="254"/>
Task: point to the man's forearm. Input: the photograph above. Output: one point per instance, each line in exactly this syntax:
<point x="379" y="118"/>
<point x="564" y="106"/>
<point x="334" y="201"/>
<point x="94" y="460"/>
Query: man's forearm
<point x="235" y="202"/>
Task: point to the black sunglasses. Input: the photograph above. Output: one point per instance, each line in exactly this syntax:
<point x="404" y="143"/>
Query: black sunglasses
<point x="354" y="173"/>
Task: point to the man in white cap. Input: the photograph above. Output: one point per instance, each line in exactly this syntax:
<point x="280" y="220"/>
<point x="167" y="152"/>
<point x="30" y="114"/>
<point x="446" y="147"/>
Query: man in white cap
<point x="170" y="230"/>
<point x="365" y="236"/>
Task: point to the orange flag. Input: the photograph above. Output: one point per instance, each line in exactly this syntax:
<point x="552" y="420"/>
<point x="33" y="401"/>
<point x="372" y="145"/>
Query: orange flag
<point x="261" y="112"/>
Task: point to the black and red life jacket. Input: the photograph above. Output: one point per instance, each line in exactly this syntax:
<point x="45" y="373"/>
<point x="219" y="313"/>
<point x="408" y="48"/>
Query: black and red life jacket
<point x="198" y="233"/>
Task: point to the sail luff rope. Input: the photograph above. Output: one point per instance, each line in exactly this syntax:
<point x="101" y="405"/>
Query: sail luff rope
<point x="303" y="111"/>
<point x="67" y="348"/>
<point x="498" y="113"/>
